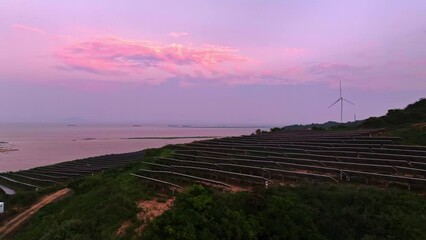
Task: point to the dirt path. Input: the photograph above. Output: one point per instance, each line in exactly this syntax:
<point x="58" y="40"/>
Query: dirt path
<point x="14" y="223"/>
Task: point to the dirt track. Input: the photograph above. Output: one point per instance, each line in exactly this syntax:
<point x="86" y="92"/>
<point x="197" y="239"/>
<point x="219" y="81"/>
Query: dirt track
<point x="14" y="223"/>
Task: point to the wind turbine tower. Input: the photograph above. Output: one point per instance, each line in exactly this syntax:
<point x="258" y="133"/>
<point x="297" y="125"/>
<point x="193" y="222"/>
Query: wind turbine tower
<point x="341" y="100"/>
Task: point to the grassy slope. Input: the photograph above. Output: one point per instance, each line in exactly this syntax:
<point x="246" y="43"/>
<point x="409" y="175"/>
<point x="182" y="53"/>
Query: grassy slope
<point x="102" y="203"/>
<point x="399" y="118"/>
<point x="22" y="199"/>
<point x="99" y="205"/>
<point x="305" y="212"/>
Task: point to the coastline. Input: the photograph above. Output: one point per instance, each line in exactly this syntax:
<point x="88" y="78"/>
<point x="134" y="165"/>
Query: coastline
<point x="45" y="144"/>
<point x="5" y="150"/>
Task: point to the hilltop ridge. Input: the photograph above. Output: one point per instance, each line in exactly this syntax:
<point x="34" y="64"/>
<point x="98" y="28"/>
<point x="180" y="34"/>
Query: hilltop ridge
<point x="414" y="113"/>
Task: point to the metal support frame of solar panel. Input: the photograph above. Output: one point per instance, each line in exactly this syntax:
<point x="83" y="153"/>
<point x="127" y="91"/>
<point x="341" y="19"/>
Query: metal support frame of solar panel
<point x="384" y="166"/>
<point x="186" y="162"/>
<point x="168" y="173"/>
<point x="216" y="165"/>
<point x="45" y="176"/>
<point x="293" y="170"/>
<point x="339" y="165"/>
<point x="263" y="149"/>
<point x="323" y="141"/>
<point x="382" y="176"/>
<point x="395" y="156"/>
<point x="56" y="173"/>
<point x="86" y="167"/>
<point x="71" y="170"/>
<point x="66" y="171"/>
<point x="229" y="173"/>
<point x="224" y="159"/>
<point x="418" y="182"/>
<point x="301" y="145"/>
<point x="93" y="167"/>
<point x="236" y="150"/>
<point x="157" y="180"/>
<point x="272" y="137"/>
<point x="75" y="170"/>
<point x="209" y="153"/>
<point x="20" y="183"/>
<point x="306" y="148"/>
<point x="304" y="156"/>
<point x="261" y="166"/>
<point x="315" y="138"/>
<point x="304" y="164"/>
<point x="26" y="179"/>
<point x="290" y="141"/>
<point x="251" y="163"/>
<point x="406" y="147"/>
<point x="398" y="151"/>
<point x="308" y="133"/>
<point x="90" y="164"/>
<point x="415" y="157"/>
<point x="395" y="162"/>
<point x="391" y="176"/>
<point x="217" y="171"/>
<point x="390" y="162"/>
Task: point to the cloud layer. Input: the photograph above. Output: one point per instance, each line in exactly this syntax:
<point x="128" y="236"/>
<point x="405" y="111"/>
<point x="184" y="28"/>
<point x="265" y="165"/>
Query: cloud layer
<point x="28" y="28"/>
<point x="119" y="56"/>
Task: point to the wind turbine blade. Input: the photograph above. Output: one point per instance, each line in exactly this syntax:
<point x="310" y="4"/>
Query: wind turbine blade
<point x="334" y="103"/>
<point x="348" y="101"/>
<point x="340" y="88"/>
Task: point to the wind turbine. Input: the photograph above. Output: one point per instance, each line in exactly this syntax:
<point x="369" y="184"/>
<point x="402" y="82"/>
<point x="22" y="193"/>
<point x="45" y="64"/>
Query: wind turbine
<point x="341" y="99"/>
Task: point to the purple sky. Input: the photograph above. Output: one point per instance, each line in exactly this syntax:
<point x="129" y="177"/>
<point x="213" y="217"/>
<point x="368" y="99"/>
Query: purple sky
<point x="209" y="62"/>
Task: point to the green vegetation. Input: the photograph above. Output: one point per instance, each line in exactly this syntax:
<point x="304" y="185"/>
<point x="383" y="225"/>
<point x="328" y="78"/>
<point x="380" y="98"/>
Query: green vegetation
<point x="16" y="202"/>
<point x="395" y="118"/>
<point x="330" y="125"/>
<point x="409" y="123"/>
<point x="22" y="199"/>
<point x="102" y="203"/>
<point x="410" y="135"/>
<point x="99" y="205"/>
<point x="413" y="113"/>
<point x="304" y="212"/>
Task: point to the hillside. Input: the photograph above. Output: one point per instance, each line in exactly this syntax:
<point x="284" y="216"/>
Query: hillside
<point x="324" y="126"/>
<point x="364" y="195"/>
<point x="412" y="114"/>
<point x="106" y="203"/>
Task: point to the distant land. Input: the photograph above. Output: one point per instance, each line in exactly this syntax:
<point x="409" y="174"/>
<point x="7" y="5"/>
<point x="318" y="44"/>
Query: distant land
<point x="127" y="209"/>
<point x="414" y="113"/>
<point x="216" y="126"/>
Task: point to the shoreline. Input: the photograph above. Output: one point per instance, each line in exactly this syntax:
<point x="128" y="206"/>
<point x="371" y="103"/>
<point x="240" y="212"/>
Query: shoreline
<point x="195" y="138"/>
<point x="172" y="138"/>
<point x="4" y="150"/>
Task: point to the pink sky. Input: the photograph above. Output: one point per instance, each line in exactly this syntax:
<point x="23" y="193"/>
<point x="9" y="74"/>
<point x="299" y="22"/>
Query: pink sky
<point x="208" y="62"/>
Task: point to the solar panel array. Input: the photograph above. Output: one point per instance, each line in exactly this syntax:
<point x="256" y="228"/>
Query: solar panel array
<point x="41" y="177"/>
<point x="359" y="156"/>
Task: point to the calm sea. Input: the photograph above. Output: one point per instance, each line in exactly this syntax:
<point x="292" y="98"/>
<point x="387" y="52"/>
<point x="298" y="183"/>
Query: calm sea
<point x="44" y="144"/>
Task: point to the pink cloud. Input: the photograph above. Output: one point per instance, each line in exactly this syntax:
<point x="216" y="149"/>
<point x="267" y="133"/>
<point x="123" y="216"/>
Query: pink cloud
<point x="119" y="56"/>
<point x="117" y="59"/>
<point x="178" y="34"/>
<point x="154" y="62"/>
<point x="28" y="28"/>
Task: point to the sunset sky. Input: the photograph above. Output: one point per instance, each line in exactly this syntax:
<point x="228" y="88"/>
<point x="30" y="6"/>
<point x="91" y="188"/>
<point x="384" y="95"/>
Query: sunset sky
<point x="209" y="62"/>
